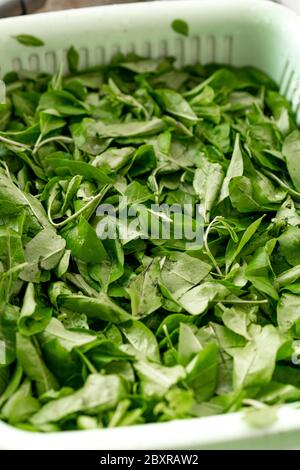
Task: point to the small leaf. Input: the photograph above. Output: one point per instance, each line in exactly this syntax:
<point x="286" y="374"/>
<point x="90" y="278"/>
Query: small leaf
<point x="73" y="59"/>
<point x="28" y="40"/>
<point x="180" y="27"/>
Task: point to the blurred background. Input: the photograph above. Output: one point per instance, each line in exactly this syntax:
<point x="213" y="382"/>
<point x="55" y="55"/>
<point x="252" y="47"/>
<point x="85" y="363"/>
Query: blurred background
<point x="62" y="4"/>
<point x="19" y="7"/>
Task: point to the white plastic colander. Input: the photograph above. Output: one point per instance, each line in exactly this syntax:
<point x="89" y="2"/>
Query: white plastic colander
<point x="262" y="34"/>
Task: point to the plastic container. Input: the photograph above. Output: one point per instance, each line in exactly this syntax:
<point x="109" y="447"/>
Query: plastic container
<point x="257" y="33"/>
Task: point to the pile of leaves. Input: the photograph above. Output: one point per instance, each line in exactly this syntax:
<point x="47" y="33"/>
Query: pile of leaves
<point x="110" y="332"/>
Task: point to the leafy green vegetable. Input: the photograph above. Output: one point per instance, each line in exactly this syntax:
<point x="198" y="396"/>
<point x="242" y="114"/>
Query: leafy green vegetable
<point x="149" y="244"/>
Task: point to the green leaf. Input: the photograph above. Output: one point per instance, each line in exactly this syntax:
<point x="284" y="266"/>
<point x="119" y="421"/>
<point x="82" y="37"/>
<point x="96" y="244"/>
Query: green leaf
<point x="114" y="158"/>
<point x="8" y="323"/>
<point x="28" y="40"/>
<point x="103" y="352"/>
<point x="55" y="331"/>
<point x="127" y="129"/>
<point x="291" y="152"/>
<point x="180" y="272"/>
<point x="50" y="122"/>
<point x="23" y="409"/>
<point x="156" y="379"/>
<point x="144" y="292"/>
<point x="188" y="344"/>
<point x="84" y="243"/>
<point x="65" y="167"/>
<point x="34" y="315"/>
<point x="112" y="268"/>
<point x="12" y="385"/>
<point x="180" y="27"/>
<point x="288" y="313"/>
<point x="235" y="168"/>
<point x="63" y="102"/>
<point x="241" y="195"/>
<point x="202" y="373"/>
<point x="176" y="105"/>
<point x="142" y="66"/>
<point x="32" y="362"/>
<point x="23" y="392"/>
<point x="276" y="392"/>
<point x="99" y="393"/>
<point x="73" y="59"/>
<point x="102" y="308"/>
<point x="13" y="200"/>
<point x="4" y="377"/>
<point x="260" y="274"/>
<point x="254" y="364"/>
<point x="141" y="339"/>
<point x="289" y="243"/>
<point x="196" y="300"/>
<point x="233" y="251"/>
<point x="43" y="251"/>
<point x="237" y="320"/>
<point x="57" y="343"/>
<point x="207" y="183"/>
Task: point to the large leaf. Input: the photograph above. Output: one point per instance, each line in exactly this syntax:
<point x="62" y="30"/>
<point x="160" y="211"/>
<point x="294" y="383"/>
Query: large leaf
<point x="181" y="272"/>
<point x="99" y="393"/>
<point x="254" y="364"/>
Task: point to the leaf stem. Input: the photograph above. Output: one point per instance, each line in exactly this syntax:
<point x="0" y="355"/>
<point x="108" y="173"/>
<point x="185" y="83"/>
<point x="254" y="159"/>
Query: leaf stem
<point x="7" y="141"/>
<point x="240" y="301"/>
<point x="255" y="403"/>
<point x="80" y="211"/>
<point x="205" y="243"/>
<point x="91" y="368"/>
<point x="59" y="138"/>
<point x="281" y="183"/>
